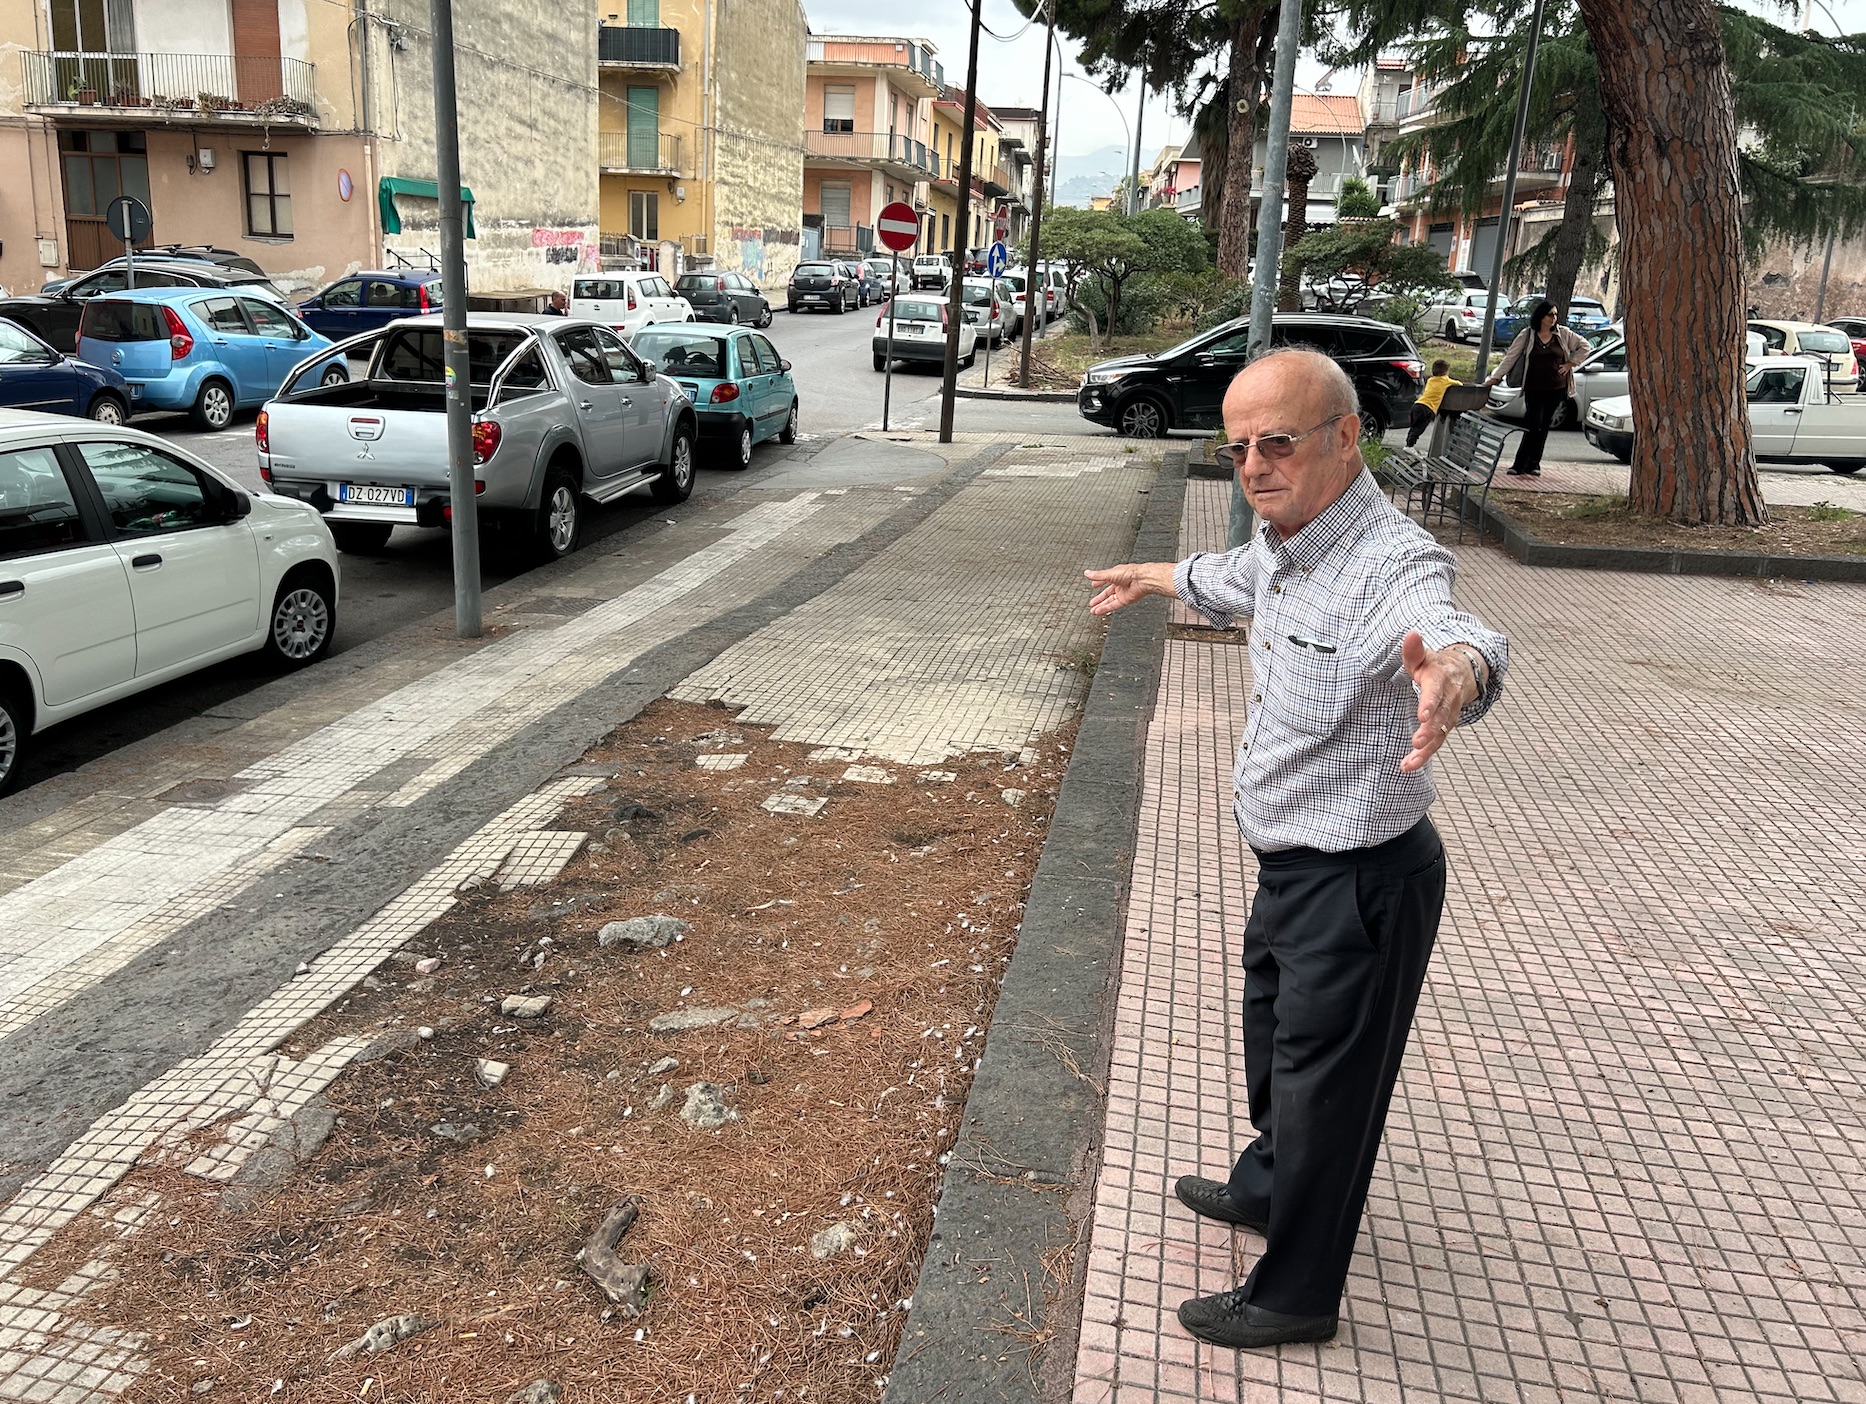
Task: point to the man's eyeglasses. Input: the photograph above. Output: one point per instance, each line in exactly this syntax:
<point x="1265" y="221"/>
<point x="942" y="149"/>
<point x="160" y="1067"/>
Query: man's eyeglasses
<point x="1271" y="446"/>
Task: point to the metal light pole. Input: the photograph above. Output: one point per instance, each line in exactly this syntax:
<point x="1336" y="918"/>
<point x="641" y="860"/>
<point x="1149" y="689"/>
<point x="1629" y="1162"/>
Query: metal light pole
<point x="1485" y="342"/>
<point x="1276" y="155"/>
<point x="955" y="297"/>
<point x="459" y="370"/>
<point x="1031" y="285"/>
<point x="1140" y="113"/>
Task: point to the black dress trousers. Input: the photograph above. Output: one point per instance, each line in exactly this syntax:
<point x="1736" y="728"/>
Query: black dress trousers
<point x="1335" y="954"/>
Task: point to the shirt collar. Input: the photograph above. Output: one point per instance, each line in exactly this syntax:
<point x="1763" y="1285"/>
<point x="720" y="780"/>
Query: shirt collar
<point x="1307" y="547"/>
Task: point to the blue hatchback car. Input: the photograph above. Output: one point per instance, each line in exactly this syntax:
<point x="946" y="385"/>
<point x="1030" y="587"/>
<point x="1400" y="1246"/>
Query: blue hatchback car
<point x="209" y="351"/>
<point x="362" y="302"/>
<point x="740" y="387"/>
<point x="35" y="376"/>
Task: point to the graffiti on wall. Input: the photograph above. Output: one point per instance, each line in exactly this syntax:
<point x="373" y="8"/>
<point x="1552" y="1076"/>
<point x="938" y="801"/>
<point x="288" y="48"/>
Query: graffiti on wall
<point x="571" y="248"/>
<point x="751" y="248"/>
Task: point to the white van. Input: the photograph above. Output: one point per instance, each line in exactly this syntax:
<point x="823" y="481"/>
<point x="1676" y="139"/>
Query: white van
<point x="628" y="301"/>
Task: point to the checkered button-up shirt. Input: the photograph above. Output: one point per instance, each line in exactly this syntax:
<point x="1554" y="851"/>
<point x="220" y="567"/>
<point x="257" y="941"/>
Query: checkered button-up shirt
<point x="1332" y="709"/>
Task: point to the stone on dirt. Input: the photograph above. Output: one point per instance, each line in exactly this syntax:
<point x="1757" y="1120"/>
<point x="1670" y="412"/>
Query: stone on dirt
<point x="539" y="1392"/>
<point x="857" y="1010"/>
<point x="385" y="1334"/>
<point x="816" y="1018"/>
<point x="837" y="1238"/>
<point x="706" y="1107"/>
<point x="662" y="1099"/>
<point x="661" y="1067"/>
<point x="625" y="1284"/>
<point x="525" y="1006"/>
<point x="492" y="1073"/>
<point x="428" y="965"/>
<point x="681" y="1020"/>
<point x="643" y="932"/>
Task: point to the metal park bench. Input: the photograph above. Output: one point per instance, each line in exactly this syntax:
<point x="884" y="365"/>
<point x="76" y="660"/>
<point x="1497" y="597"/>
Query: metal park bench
<point x="1469" y="463"/>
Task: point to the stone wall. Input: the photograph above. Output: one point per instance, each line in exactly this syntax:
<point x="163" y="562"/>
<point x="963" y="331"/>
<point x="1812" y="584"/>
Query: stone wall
<point x="758" y="145"/>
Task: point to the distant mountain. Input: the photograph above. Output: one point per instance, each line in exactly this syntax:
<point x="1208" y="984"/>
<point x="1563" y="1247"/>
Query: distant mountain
<point x="1091" y="173"/>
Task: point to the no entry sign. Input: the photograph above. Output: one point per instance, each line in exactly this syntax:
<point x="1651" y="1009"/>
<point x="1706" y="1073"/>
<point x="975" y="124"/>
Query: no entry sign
<point x="898" y="226"/>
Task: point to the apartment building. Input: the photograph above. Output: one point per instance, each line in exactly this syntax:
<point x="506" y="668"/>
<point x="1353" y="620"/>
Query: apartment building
<point x="696" y="143"/>
<point x="1334" y="131"/>
<point x="990" y="206"/>
<point x="298" y="134"/>
<point x="867" y="135"/>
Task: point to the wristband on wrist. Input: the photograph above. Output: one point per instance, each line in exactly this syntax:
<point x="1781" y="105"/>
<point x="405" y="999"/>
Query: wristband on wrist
<point x="1472" y="659"/>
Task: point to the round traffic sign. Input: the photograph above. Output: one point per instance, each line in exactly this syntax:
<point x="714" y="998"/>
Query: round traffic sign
<point x="897" y="226"/>
<point x="129" y="219"/>
<point x="998" y="259"/>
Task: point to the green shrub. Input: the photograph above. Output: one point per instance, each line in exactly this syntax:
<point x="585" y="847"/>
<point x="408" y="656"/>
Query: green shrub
<point x="1146" y="298"/>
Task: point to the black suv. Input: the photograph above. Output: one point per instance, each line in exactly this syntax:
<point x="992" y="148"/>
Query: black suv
<point x="53" y="316"/>
<point x="1184" y="388"/>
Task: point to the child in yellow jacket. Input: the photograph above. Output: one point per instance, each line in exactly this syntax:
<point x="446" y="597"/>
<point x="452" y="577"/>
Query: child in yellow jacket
<point x="1425" y="409"/>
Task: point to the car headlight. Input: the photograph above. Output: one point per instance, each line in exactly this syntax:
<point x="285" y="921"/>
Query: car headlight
<point x="1107" y="377"/>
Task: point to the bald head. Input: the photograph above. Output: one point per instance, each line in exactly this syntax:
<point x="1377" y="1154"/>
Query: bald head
<point x="1307" y="396"/>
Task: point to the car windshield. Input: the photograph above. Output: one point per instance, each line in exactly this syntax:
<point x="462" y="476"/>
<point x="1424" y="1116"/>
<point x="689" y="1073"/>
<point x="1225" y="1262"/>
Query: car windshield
<point x="977" y="294"/>
<point x="908" y="310"/>
<point x="700" y="282"/>
<point x="816" y="270"/>
<point x="598" y="289"/>
<point x="106" y="320"/>
<point x="414" y="355"/>
<point x="683" y="353"/>
<point x="1585" y="304"/>
<point x="1823" y="341"/>
<point x="1016" y="280"/>
<point x="18" y="346"/>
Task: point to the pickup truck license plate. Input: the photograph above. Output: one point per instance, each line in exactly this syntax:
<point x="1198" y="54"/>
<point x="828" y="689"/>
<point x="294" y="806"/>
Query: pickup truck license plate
<point x="364" y="494"/>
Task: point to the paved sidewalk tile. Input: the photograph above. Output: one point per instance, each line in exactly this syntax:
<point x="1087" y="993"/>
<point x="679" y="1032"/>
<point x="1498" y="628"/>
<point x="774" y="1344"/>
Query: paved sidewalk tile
<point x="1623" y="1161"/>
<point x="1778" y="489"/>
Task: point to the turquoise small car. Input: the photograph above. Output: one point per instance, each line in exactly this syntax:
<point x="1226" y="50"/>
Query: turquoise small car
<point x="740" y="387"/>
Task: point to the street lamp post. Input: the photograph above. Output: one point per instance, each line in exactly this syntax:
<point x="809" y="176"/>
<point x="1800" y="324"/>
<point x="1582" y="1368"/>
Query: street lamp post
<point x="1508" y="209"/>
<point x="1126" y="130"/>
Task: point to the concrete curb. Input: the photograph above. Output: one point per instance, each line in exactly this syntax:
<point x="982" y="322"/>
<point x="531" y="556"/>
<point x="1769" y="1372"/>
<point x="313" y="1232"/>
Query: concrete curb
<point x="1532" y="550"/>
<point x="1042" y="397"/>
<point x="1021" y="1182"/>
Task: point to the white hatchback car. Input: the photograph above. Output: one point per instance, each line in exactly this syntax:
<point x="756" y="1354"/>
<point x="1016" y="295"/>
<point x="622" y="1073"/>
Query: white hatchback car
<point x="919" y="332"/>
<point x="628" y="301"/>
<point x="125" y="562"/>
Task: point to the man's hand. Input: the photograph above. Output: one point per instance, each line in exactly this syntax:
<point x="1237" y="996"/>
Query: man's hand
<point x="1446" y="688"/>
<point x="1123" y="584"/>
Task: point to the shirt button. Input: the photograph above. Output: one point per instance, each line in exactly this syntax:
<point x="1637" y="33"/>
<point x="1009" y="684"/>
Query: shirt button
<point x="1266" y="645"/>
<point x="1256" y="697"/>
<point x="1276" y="589"/>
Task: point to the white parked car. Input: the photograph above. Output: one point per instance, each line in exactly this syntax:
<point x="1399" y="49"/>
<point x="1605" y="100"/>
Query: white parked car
<point x="125" y="562"/>
<point x="628" y="301"/>
<point x="1459" y="317"/>
<point x="883" y="270"/>
<point x="991" y="308"/>
<point x="920" y="322"/>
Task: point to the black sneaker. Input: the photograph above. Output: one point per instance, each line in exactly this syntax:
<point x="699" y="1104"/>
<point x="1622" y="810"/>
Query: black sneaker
<point x="1228" y="1320"/>
<point x="1209" y="1199"/>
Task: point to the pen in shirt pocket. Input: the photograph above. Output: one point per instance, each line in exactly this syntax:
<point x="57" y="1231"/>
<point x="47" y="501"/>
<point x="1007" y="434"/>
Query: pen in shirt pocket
<point x="1316" y="644"/>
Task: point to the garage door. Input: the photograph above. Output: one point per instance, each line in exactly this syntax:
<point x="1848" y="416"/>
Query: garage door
<point x="1484" y="246"/>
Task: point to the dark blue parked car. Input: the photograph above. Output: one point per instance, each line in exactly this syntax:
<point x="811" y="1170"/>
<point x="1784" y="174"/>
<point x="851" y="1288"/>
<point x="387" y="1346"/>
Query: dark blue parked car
<point x="35" y="376"/>
<point x="362" y="302"/>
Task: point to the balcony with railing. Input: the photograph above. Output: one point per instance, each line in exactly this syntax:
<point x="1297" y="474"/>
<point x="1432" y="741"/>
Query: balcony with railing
<point x="641" y="152"/>
<point x="834" y="53"/>
<point x="890" y="151"/>
<point x="1537" y="167"/>
<point x="857" y="240"/>
<point x="637" y="46"/>
<point x="997" y="179"/>
<point x="245" y="88"/>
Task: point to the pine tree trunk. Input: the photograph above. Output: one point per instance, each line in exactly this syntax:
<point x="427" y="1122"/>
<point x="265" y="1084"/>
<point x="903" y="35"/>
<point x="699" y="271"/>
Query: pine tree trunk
<point x="1665" y="89"/>
<point x="1241" y="133"/>
<point x="1577" y="218"/>
<point x="1299" y="170"/>
<point x="1213" y="132"/>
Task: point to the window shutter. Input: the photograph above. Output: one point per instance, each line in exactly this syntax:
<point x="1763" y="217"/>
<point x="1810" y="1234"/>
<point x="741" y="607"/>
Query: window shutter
<point x="835" y="205"/>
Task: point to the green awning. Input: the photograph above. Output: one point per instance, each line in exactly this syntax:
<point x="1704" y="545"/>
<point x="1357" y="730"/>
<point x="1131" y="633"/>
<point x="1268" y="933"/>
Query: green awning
<point x="392" y="186"/>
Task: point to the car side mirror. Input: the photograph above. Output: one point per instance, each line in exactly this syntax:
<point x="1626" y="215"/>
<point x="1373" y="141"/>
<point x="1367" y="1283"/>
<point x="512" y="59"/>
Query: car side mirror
<point x="239" y="506"/>
<point x="649" y="370"/>
<point x="783" y="365"/>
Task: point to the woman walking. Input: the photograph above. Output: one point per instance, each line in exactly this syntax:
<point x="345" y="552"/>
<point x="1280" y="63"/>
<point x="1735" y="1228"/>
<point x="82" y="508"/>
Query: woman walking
<point x="1548" y="353"/>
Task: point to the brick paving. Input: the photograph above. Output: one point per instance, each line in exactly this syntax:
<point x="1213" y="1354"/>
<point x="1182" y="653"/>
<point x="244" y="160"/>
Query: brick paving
<point x="1623" y="1161"/>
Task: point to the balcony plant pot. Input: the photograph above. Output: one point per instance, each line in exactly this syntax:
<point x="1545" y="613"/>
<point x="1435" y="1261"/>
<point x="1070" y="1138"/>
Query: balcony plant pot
<point x="87" y="97"/>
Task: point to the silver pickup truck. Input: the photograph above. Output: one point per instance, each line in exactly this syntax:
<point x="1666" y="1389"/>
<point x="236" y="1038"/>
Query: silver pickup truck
<point x="564" y="413"/>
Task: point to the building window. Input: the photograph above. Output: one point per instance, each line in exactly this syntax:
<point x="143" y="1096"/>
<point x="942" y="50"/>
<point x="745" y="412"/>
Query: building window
<point x="644" y="215"/>
<point x="833" y="200"/>
<point x="644" y="14"/>
<point x="838" y="109"/>
<point x="268" y="195"/>
<point x="945" y="231"/>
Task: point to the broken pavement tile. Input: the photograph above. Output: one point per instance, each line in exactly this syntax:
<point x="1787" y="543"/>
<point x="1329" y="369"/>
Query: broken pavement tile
<point x="491" y="1072"/>
<point x="869" y="775"/>
<point x="525" y="1006"/>
<point x="721" y="762"/>
<point x="794" y="804"/>
<point x="680" y="1020"/>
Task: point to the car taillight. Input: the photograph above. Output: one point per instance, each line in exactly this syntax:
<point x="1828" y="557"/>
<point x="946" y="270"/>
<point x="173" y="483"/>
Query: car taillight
<point x="421" y="298"/>
<point x="179" y="342"/>
<point x="1412" y="368"/>
<point x="486" y="436"/>
<point x="261" y="436"/>
<point x="942" y="315"/>
<point x="719" y="284"/>
<point x="878" y="317"/>
<point x="996" y="310"/>
<point x="631" y="299"/>
<point x="723" y="393"/>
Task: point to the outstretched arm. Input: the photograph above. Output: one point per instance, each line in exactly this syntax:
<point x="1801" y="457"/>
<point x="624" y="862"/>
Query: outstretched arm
<point x="1123" y="584"/>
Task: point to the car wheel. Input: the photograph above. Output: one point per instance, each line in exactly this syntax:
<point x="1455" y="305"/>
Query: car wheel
<point x="304" y="619"/>
<point x="336" y="375"/>
<point x="1142" y="417"/>
<point x="1454" y="332"/>
<point x="790" y="307"/>
<point x="968" y="362"/>
<point x="360" y="538"/>
<point x="676" y="484"/>
<point x="213" y="407"/>
<point x="764" y="317"/>
<point x="881" y="363"/>
<point x="788" y="434"/>
<point x="106" y="408"/>
<point x="1566" y="416"/>
<point x="15" y="724"/>
<point x="1374" y="423"/>
<point x="733" y="320"/>
<point x="1847" y="466"/>
<point x="560" y="515"/>
<point x="842" y="305"/>
<point x="739" y="454"/>
<point x="1625" y="455"/>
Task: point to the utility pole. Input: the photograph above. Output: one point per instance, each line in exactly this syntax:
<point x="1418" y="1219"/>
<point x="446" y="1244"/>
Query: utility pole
<point x="1486" y="342"/>
<point x="465" y="507"/>
<point x="1032" y="287"/>
<point x="955" y="291"/>
<point x="1276" y="156"/>
<point x="1140" y="111"/>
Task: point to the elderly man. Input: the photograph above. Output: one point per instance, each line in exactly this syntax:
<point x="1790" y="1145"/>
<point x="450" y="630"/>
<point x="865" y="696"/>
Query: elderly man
<point x="1361" y="667"/>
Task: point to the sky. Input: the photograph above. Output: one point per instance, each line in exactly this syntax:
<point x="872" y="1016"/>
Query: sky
<point x="1011" y="70"/>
